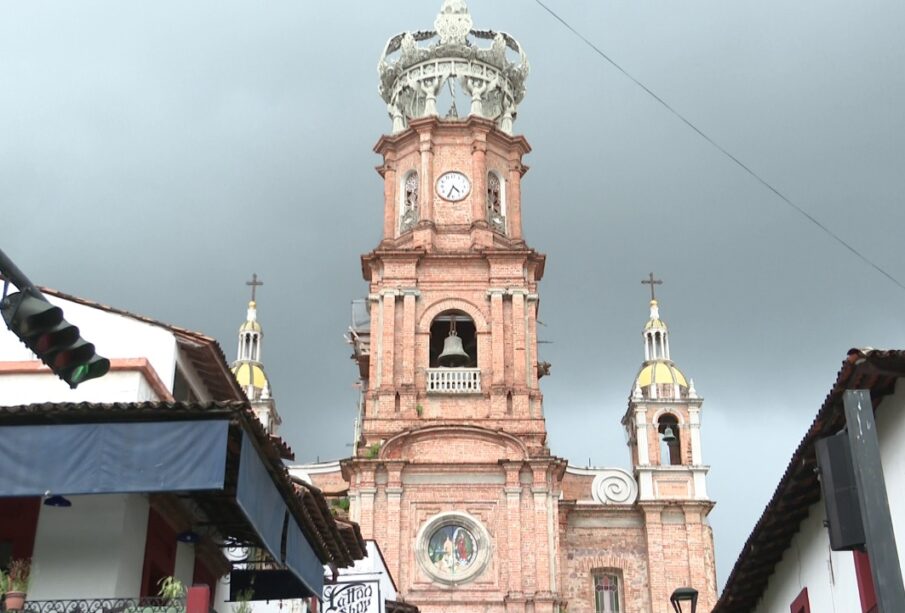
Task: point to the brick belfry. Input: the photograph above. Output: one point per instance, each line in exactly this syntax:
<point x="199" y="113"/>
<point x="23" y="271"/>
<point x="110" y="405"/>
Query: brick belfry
<point x="451" y="472"/>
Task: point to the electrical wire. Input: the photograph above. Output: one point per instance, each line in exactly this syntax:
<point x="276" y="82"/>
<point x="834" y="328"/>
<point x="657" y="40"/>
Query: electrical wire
<point x="723" y="150"/>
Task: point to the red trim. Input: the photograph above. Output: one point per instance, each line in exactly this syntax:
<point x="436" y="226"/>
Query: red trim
<point x="142" y="365"/>
<point x="160" y="554"/>
<point x="801" y="604"/>
<point x="198" y="599"/>
<point x="19" y="524"/>
<point x="865" y="582"/>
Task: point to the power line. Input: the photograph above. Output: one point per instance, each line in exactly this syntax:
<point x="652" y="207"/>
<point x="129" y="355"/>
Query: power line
<point x="722" y="149"/>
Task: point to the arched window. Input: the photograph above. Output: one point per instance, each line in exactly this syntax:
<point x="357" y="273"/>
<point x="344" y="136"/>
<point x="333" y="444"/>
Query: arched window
<point x="496" y="203"/>
<point x="453" y="324"/>
<point x="606" y="591"/>
<point x="670" y="444"/>
<point x="408" y="209"/>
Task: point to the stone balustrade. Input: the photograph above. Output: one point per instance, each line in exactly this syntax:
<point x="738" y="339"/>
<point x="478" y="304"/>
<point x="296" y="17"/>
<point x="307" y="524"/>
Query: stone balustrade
<point x="453" y="381"/>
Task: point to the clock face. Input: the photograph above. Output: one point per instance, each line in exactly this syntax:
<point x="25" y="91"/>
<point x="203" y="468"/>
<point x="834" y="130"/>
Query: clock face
<point x="453" y="186"/>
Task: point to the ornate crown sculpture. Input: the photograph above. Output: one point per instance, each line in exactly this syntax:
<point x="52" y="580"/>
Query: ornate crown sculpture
<point x="411" y="75"/>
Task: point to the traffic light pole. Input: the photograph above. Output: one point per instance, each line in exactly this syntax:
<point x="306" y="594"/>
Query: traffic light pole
<point x="12" y="274"/>
<point x="41" y="327"/>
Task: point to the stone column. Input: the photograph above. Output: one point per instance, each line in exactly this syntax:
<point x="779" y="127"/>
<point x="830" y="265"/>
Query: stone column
<point x="513" y="491"/>
<point x="479" y="176"/>
<point x="531" y="350"/>
<point x="394" y="516"/>
<point x="497" y="340"/>
<point x="653" y="528"/>
<point x="426" y="201"/>
<point x="542" y="556"/>
<point x="408" y="336"/>
<point x="391" y="201"/>
<point x="520" y="352"/>
<point x="388" y="334"/>
<point x="514" y="199"/>
<point x="694" y="431"/>
<point x="376" y="363"/>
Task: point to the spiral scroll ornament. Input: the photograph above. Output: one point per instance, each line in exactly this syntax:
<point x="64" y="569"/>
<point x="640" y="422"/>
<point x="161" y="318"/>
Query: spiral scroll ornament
<point x="614" y="486"/>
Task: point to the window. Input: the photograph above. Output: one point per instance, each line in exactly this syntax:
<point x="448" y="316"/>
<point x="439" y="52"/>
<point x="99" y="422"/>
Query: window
<point x="670" y="444"/>
<point x="606" y="592"/>
<point x="496" y="210"/>
<point x="801" y="603"/>
<point x="445" y="326"/>
<point x="408" y="211"/>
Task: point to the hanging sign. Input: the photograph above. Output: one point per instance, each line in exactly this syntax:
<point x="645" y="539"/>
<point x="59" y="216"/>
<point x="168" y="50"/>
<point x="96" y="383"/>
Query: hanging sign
<point x="362" y="597"/>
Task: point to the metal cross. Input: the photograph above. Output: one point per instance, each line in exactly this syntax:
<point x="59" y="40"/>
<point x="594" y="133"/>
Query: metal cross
<point x="254" y="283"/>
<point x="652" y="282"/>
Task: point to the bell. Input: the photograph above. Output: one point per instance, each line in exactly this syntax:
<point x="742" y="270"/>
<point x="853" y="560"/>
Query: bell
<point x="668" y="436"/>
<point x="453" y="353"/>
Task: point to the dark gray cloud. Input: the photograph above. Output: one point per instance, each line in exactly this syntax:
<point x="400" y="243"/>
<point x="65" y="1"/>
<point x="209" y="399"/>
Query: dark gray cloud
<point x="154" y="155"/>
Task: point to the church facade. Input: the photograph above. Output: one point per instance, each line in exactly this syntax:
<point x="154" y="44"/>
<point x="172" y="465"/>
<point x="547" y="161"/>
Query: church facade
<point x="452" y="473"/>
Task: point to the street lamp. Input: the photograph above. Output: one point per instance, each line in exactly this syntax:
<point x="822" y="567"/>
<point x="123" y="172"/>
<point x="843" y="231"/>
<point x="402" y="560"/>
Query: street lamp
<point x="684" y="594"/>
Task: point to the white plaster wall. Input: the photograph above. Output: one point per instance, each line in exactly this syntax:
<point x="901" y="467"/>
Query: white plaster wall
<point x="114" y="336"/>
<point x="119" y="386"/>
<point x="891" y="432"/>
<point x="184" y="569"/>
<point x="93" y="549"/>
<point x="808" y="562"/>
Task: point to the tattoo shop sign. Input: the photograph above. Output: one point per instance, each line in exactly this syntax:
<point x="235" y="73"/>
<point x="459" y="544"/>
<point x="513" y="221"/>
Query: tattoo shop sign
<point x="352" y="598"/>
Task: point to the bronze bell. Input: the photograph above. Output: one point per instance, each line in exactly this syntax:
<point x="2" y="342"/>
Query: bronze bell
<point x="668" y="436"/>
<point x="453" y="355"/>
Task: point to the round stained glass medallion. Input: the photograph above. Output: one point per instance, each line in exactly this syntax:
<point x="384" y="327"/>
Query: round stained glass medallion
<point x="453" y="547"/>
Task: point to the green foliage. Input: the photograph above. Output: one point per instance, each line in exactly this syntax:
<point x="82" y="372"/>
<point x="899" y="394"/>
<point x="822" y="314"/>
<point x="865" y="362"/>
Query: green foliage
<point x="373" y="451"/>
<point x="419" y="410"/>
<point x="3" y="582"/>
<point x="342" y="503"/>
<point x="171" y="587"/>
<point x="243" y="599"/>
<point x="17" y="575"/>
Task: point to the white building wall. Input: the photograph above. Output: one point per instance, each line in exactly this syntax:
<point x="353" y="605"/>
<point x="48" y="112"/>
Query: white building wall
<point x="114" y="336"/>
<point x="808" y="562"/>
<point x="891" y="432"/>
<point x="93" y="549"/>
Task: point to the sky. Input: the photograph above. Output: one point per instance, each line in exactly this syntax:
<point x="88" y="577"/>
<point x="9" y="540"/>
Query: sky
<point x="154" y="155"/>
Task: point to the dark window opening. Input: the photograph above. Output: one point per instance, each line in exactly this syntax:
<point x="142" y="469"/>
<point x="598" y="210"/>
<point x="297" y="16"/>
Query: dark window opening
<point x="670" y="444"/>
<point x="465" y="330"/>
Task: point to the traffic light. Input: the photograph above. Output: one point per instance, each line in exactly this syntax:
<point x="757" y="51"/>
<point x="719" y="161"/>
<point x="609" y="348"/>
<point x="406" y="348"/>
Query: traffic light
<point x="40" y="325"/>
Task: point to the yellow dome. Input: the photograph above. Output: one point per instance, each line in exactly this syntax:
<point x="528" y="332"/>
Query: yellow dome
<point x="655" y="324"/>
<point x="250" y="373"/>
<point x="660" y="372"/>
<point x="250" y="326"/>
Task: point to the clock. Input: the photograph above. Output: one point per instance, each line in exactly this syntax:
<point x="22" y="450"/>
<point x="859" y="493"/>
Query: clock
<point x="453" y="186"/>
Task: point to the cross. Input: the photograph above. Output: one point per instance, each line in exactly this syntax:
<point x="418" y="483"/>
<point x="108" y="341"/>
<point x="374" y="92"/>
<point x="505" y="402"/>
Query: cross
<point x="652" y="282"/>
<point x="254" y="283"/>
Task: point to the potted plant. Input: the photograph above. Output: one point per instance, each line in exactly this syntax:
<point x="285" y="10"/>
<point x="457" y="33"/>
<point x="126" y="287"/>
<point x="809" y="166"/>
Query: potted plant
<point x="170" y="588"/>
<point x="17" y="583"/>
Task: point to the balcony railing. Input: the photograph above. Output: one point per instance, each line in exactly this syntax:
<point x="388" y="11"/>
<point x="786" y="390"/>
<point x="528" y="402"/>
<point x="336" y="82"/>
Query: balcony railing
<point x="453" y="381"/>
<point x="107" y="605"/>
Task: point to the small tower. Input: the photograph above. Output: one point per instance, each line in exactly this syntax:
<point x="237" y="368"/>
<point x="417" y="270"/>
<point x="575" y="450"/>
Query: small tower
<point x="663" y="419"/>
<point x="248" y="369"/>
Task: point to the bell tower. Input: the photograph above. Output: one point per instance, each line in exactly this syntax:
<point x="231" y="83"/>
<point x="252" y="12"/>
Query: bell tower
<point x="663" y="428"/>
<point x="452" y="473"/>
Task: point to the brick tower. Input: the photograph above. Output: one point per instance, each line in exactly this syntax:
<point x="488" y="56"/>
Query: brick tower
<point x="451" y="472"/>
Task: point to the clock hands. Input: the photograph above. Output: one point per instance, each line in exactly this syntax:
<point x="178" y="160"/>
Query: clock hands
<point x="451" y="190"/>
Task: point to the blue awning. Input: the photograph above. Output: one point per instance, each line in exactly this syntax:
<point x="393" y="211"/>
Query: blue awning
<point x="71" y="459"/>
<point x="265" y="508"/>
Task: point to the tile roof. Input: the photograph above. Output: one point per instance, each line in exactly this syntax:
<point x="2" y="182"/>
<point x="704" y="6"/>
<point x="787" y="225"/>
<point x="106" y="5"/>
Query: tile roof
<point x="799" y="488"/>
<point x="335" y="543"/>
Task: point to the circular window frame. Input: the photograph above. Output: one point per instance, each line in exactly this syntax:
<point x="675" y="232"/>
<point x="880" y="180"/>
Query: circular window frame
<point x="483" y="545"/>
